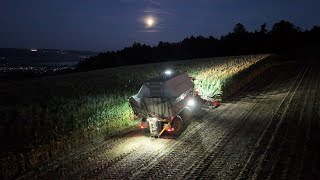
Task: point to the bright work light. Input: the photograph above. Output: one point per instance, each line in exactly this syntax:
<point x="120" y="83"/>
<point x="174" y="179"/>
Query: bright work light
<point x="168" y="72"/>
<point x="191" y="102"/>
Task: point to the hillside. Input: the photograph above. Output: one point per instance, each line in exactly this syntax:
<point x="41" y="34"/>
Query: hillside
<point x="41" y="57"/>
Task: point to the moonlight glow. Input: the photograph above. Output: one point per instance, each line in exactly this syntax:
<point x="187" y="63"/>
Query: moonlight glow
<point x="149" y="21"/>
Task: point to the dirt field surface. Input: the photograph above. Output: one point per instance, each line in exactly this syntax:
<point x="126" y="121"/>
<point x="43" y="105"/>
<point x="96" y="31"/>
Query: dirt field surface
<point x="269" y="130"/>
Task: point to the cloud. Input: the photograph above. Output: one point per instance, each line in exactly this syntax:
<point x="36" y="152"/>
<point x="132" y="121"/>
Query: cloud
<point x="157" y="11"/>
<point x="150" y="31"/>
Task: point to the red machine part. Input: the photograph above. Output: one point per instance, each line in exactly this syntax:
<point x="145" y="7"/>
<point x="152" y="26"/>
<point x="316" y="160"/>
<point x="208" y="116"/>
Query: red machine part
<point x="143" y="125"/>
<point x="216" y="103"/>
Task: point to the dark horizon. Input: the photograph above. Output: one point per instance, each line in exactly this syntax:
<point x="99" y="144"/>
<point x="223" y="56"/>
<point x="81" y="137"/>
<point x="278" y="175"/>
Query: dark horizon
<point x="103" y="26"/>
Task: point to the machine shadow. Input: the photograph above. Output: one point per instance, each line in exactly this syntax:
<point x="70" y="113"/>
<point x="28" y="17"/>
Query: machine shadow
<point x="274" y="80"/>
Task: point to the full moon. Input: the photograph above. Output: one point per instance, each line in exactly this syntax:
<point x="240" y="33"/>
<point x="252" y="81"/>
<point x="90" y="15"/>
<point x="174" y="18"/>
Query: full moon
<point x="149" y="21"/>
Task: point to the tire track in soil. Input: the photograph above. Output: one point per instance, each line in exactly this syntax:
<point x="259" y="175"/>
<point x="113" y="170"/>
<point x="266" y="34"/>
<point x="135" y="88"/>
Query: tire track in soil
<point x="157" y="154"/>
<point x="278" y="153"/>
<point x="220" y="157"/>
<point x="68" y="159"/>
<point x="311" y="152"/>
<point x="75" y="158"/>
<point x="151" y="159"/>
<point x="288" y="163"/>
<point x="278" y="138"/>
<point x="228" y="161"/>
<point x="258" y="150"/>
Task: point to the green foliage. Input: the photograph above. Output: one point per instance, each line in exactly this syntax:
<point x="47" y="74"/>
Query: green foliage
<point x="213" y="74"/>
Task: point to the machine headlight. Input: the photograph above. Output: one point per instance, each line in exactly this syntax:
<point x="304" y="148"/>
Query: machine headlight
<point x="168" y="72"/>
<point x="191" y="102"/>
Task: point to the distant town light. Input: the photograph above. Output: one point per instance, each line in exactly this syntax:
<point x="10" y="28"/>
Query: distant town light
<point x="33" y="50"/>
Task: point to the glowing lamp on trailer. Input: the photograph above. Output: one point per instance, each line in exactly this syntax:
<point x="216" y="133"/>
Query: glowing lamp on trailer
<point x="143" y="125"/>
<point x="170" y="129"/>
<point x="191" y="102"/>
<point x="168" y="72"/>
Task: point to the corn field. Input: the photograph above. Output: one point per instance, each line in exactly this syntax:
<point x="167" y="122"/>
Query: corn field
<point x="41" y="110"/>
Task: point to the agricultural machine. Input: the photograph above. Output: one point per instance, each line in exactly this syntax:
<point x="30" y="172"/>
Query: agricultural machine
<point x="166" y="103"/>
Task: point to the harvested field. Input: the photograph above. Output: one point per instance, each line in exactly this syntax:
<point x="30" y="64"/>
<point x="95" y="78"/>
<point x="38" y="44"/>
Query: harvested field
<point x="268" y="130"/>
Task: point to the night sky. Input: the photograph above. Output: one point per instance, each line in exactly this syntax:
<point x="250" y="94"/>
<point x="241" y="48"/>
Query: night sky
<point x="101" y="25"/>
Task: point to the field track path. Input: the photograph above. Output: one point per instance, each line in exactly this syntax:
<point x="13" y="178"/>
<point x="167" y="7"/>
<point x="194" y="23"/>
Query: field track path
<point x="266" y="131"/>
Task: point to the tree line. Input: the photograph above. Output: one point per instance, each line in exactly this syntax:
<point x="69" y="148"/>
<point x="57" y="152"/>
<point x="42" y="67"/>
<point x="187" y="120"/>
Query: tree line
<point x="283" y="38"/>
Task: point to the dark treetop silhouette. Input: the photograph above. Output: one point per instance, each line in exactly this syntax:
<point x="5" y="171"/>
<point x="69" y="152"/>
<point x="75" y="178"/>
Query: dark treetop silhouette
<point x="284" y="38"/>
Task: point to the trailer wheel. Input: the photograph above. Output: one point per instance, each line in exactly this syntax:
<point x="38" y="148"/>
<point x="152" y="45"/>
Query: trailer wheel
<point x="177" y="124"/>
<point x="185" y="114"/>
<point x="199" y="104"/>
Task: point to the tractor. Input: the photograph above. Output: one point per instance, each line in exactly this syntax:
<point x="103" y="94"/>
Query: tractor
<point x="166" y="103"/>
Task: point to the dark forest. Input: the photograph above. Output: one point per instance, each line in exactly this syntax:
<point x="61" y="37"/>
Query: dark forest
<point x="283" y="38"/>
